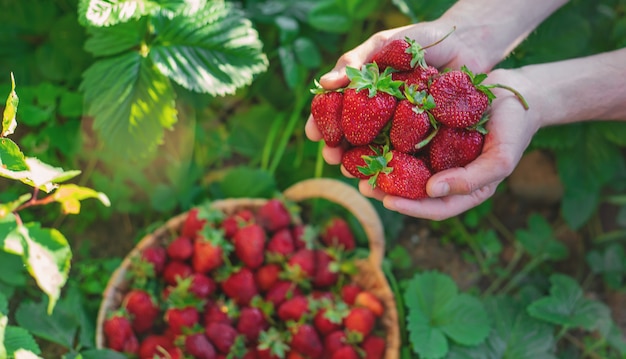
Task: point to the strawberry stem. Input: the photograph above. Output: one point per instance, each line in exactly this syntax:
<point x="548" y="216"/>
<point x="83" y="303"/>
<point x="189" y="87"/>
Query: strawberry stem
<point x="440" y="40"/>
<point x="514" y="91"/>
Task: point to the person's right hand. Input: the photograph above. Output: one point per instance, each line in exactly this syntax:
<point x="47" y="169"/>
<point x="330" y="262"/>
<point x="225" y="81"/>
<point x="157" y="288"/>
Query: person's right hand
<point x="454" y="51"/>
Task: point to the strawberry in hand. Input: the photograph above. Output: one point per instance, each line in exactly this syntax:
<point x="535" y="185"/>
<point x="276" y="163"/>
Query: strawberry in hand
<point x="412" y="124"/>
<point x="326" y="108"/>
<point x="368" y="104"/>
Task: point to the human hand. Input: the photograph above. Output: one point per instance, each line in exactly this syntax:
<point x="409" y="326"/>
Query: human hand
<point x="453" y="191"/>
<point x="453" y="52"/>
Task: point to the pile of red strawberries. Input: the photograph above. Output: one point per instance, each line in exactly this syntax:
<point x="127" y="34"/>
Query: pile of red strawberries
<point x="401" y="120"/>
<point x="253" y="284"/>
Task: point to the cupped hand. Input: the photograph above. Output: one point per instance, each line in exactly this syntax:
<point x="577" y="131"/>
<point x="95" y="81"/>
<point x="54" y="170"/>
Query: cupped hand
<point x="454" y="191"/>
<point x="453" y="52"/>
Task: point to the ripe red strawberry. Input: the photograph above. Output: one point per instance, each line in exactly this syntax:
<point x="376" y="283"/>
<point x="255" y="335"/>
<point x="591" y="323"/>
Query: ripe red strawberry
<point x="240" y="286"/>
<point x="329" y="319"/>
<point x="119" y="334"/>
<point x="251" y="323"/>
<point x="180" y="248"/>
<point x="208" y="251"/>
<point x="352" y="159"/>
<point x="401" y="55"/>
<point x="299" y="233"/>
<point x="454" y="147"/>
<point x="153" y="345"/>
<point x="334" y="341"/>
<point x="274" y="215"/>
<point x="155" y="257"/>
<point x="336" y="232"/>
<point x="179" y="318"/>
<point x="419" y="77"/>
<point x="192" y="223"/>
<point x="349" y="292"/>
<point x="216" y="312"/>
<point x="326" y="269"/>
<point x="281" y="243"/>
<point x="374" y="347"/>
<point x="281" y="291"/>
<point x="249" y="244"/>
<point x="360" y="320"/>
<point x="232" y="223"/>
<point x="199" y="347"/>
<point x="306" y="340"/>
<point x="202" y="285"/>
<point x="399" y="174"/>
<point x="302" y="264"/>
<point x="326" y="108"/>
<point x="412" y="123"/>
<point x="175" y="271"/>
<point x="346" y="352"/>
<point x="368" y="103"/>
<point x="266" y="276"/>
<point x="368" y="300"/>
<point x="293" y="308"/>
<point x="142" y="308"/>
<point x="294" y="355"/>
<point x="459" y="97"/>
<point x="221" y="335"/>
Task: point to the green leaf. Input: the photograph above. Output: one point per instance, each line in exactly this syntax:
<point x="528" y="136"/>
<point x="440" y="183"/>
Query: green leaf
<point x="102" y="354"/>
<point x="11" y="157"/>
<point x="4" y="320"/>
<point x="307" y="53"/>
<point x="360" y="9"/>
<point x="215" y="50"/>
<point x="329" y="16"/>
<point x="515" y="335"/>
<point x="566" y="306"/>
<point x="116" y="39"/>
<point x="17" y="338"/>
<point x="249" y="130"/>
<point x="111" y="12"/>
<point x="13" y="269"/>
<point x="610" y="263"/>
<point x="437" y="312"/>
<point x="538" y="240"/>
<point x="248" y="182"/>
<point x="8" y="117"/>
<point x="4" y="305"/>
<point x="39" y="174"/>
<point x="70" y="196"/>
<point x="46" y="255"/>
<point x="6" y="208"/>
<point x="132" y="103"/>
<point x="293" y="73"/>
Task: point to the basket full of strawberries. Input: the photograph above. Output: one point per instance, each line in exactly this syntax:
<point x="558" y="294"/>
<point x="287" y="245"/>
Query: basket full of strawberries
<point x="250" y="278"/>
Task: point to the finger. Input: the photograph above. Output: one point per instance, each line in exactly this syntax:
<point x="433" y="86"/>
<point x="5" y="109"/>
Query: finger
<point x="488" y="168"/>
<point x="439" y="208"/>
<point x="369" y="191"/>
<point x="332" y="155"/>
<point x="311" y="130"/>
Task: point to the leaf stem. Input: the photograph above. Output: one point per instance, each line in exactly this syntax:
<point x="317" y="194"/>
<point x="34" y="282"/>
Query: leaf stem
<point x="291" y="124"/>
<point x="514" y="91"/>
<point x="472" y="244"/>
<point x="534" y="262"/>
<point x="507" y="271"/>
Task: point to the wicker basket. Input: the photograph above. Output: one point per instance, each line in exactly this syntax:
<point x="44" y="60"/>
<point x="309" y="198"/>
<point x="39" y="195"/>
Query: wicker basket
<point x="370" y="275"/>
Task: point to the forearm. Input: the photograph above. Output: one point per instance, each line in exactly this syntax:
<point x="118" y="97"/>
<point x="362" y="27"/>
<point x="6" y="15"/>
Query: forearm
<point x="497" y="26"/>
<point x="582" y="89"/>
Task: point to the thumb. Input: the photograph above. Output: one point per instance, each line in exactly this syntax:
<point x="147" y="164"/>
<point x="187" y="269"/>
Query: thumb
<point x="335" y="78"/>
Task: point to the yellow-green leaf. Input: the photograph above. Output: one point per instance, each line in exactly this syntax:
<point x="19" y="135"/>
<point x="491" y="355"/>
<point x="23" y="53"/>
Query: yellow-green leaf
<point x="6" y="208"/>
<point x="8" y="118"/>
<point x="70" y="195"/>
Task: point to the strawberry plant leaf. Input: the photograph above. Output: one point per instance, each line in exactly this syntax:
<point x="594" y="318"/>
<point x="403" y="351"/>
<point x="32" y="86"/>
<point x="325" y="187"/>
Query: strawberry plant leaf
<point x="39" y="174"/>
<point x="6" y="208"/>
<point x="70" y="195"/>
<point x="306" y="52"/>
<point x="101" y="354"/>
<point x="10" y="110"/>
<point x="11" y="157"/>
<point x="16" y="339"/>
<point x="567" y="306"/>
<point x="215" y="50"/>
<point x="46" y="255"/>
<point x="134" y="109"/>
<point x="110" y="12"/>
<point x="247" y="182"/>
<point x="538" y="240"/>
<point x="116" y="39"/>
<point x="610" y="263"/>
<point x="437" y="313"/>
<point x="515" y="335"/>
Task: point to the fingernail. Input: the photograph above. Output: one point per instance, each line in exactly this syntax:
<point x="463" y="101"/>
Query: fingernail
<point x="332" y="75"/>
<point x="441" y="189"/>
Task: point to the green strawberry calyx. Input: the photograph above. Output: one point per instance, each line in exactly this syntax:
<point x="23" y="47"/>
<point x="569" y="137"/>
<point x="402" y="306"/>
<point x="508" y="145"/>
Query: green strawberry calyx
<point x="369" y="78"/>
<point x="417" y="51"/>
<point x="318" y="89"/>
<point x="422" y="100"/>
<point x="377" y="163"/>
<point x="477" y="80"/>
